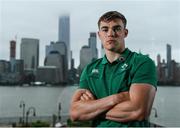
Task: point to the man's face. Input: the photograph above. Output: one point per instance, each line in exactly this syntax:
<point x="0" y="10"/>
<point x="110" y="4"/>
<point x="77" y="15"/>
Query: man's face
<point x="112" y="35"/>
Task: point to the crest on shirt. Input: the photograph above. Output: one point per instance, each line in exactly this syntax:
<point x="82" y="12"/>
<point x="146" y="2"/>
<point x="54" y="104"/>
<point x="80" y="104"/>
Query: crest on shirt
<point x="95" y="71"/>
<point x="124" y="66"/>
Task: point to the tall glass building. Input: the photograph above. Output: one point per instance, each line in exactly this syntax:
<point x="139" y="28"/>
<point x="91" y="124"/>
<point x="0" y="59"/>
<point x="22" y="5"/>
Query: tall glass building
<point x="30" y="53"/>
<point x="90" y="52"/>
<point x="64" y="34"/>
<point x="92" y="44"/>
<point x="56" y="55"/>
<point x="168" y="48"/>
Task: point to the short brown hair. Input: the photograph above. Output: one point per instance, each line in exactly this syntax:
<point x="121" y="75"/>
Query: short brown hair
<point x="111" y="15"/>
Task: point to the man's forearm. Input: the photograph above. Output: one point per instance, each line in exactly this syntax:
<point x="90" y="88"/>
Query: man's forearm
<point x="89" y="109"/>
<point x="124" y="112"/>
<point x="86" y="110"/>
<point x="136" y="108"/>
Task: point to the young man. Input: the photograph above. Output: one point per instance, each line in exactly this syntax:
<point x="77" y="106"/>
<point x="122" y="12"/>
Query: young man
<point x="118" y="89"/>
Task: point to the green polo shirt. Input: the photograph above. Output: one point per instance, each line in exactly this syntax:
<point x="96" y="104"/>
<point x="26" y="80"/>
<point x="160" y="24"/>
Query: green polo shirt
<point x="103" y="78"/>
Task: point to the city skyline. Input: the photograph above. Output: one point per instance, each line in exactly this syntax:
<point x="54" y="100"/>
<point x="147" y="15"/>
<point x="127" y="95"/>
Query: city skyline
<point x="149" y="29"/>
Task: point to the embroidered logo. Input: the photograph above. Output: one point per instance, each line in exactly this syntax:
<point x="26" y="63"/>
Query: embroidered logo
<point x="95" y="71"/>
<point x="124" y="66"/>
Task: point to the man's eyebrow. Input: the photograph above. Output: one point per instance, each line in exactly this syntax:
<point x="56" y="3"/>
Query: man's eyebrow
<point x="104" y="27"/>
<point x="117" y="26"/>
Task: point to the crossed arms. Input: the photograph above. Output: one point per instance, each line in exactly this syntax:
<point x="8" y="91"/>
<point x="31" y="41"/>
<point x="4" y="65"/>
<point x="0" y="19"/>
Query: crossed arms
<point x="122" y="107"/>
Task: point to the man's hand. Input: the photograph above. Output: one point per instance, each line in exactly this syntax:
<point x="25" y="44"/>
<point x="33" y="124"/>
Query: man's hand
<point x="122" y="96"/>
<point x="86" y="95"/>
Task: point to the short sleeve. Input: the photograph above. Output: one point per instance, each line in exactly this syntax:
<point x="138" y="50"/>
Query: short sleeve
<point x="83" y="84"/>
<point x="145" y="73"/>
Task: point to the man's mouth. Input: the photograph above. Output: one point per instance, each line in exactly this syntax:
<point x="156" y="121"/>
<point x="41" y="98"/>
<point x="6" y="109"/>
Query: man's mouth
<point x="111" y="41"/>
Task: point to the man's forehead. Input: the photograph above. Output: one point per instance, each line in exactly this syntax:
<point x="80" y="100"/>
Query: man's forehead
<point x="111" y="23"/>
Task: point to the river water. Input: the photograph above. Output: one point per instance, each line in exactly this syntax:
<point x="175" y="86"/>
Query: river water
<point x="167" y="104"/>
<point x="46" y="102"/>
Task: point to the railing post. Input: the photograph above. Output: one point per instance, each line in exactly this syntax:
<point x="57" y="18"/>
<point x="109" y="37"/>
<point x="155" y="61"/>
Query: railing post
<point x="27" y="113"/>
<point x="22" y="105"/>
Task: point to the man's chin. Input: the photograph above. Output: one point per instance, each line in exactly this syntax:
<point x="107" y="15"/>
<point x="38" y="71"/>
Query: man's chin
<point x="111" y="49"/>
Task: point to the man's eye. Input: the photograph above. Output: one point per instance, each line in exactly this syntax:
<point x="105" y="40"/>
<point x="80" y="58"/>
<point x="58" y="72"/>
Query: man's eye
<point x="116" y="29"/>
<point x="104" y="30"/>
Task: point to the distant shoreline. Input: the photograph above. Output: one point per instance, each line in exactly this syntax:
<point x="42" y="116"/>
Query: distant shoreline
<point x="56" y="85"/>
<point x="34" y="85"/>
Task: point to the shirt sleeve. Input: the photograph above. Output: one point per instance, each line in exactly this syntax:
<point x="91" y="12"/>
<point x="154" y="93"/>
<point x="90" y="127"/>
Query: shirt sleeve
<point x="146" y="73"/>
<point x="83" y="84"/>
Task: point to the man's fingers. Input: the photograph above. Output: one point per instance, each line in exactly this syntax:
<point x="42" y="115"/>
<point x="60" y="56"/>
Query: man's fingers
<point x="89" y="94"/>
<point x="82" y="98"/>
<point x="85" y="96"/>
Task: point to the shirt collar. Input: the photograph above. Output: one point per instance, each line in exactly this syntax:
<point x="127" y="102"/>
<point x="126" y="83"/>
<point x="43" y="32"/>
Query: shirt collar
<point x="123" y="56"/>
<point x="104" y="61"/>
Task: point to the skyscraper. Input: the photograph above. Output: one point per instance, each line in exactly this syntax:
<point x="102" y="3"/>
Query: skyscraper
<point x="92" y="45"/>
<point x="54" y="52"/>
<point x="85" y="56"/>
<point x="168" y="48"/>
<point x="12" y="49"/>
<point x="12" y="55"/>
<point x="90" y="52"/>
<point x="158" y="59"/>
<point x="64" y="34"/>
<point x="54" y="58"/>
<point x="30" y="53"/>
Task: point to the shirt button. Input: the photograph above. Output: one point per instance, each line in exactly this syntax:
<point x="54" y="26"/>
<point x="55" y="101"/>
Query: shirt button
<point x="121" y="59"/>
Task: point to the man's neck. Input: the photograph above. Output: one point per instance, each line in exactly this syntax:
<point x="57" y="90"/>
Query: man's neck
<point x="112" y="56"/>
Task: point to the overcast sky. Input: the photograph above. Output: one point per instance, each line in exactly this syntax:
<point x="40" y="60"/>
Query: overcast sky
<point x="151" y="23"/>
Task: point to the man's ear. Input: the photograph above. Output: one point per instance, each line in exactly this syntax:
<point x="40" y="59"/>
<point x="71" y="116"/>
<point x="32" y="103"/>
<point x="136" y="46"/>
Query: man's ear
<point x="126" y="32"/>
<point x="98" y="34"/>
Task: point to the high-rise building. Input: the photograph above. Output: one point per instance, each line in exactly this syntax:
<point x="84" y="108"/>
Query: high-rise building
<point x="92" y="44"/>
<point x="12" y="55"/>
<point x="30" y="53"/>
<point x="59" y="46"/>
<point x="57" y="51"/>
<point x="12" y="49"/>
<point x="64" y="34"/>
<point x="55" y="59"/>
<point x="90" y="52"/>
<point x="72" y="62"/>
<point x="4" y="66"/>
<point x="85" y="56"/>
<point x="19" y="66"/>
<point x="169" y="71"/>
<point x="158" y="59"/>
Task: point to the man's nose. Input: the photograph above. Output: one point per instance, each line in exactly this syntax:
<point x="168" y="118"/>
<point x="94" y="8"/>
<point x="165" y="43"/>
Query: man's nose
<point x="111" y="32"/>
